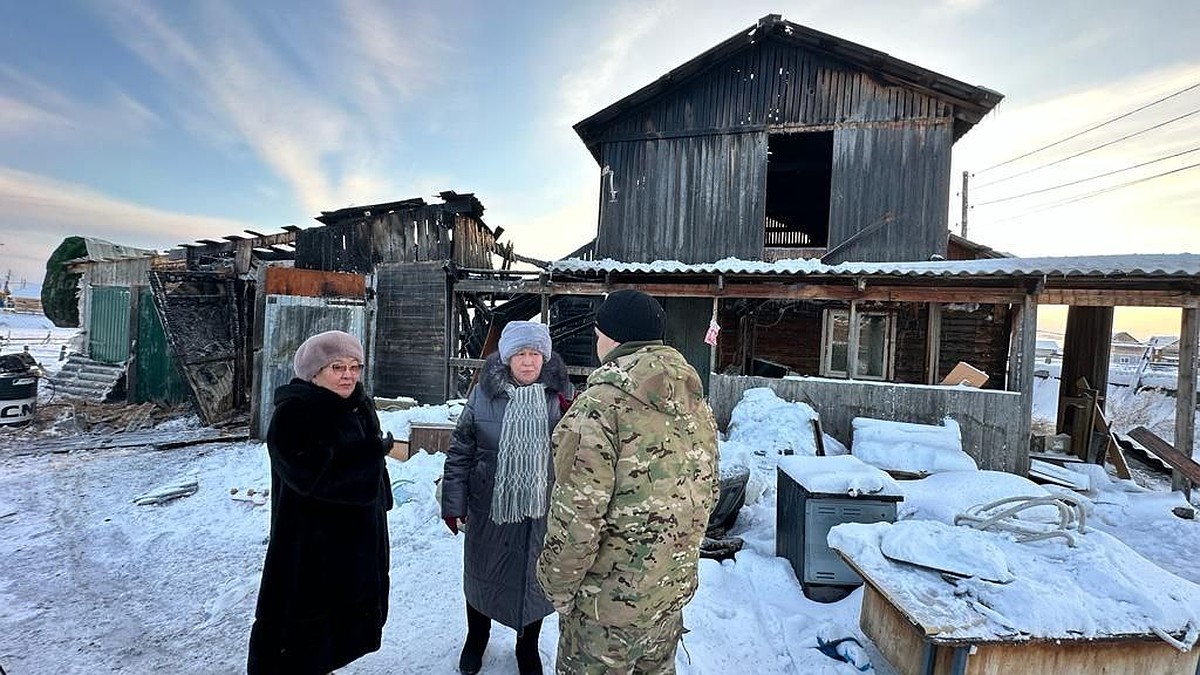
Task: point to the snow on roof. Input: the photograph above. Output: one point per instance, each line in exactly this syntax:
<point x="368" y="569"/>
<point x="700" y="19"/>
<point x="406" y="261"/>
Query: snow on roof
<point x="1152" y="265"/>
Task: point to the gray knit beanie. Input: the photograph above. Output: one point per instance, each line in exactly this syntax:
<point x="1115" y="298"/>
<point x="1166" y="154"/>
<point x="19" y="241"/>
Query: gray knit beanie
<point x="520" y="334"/>
<point x="323" y="349"/>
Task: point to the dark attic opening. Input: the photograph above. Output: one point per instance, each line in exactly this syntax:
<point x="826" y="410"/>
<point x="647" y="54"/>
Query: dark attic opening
<point x="799" y="176"/>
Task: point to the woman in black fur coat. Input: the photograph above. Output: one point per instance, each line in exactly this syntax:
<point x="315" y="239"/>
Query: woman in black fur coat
<point x="324" y="594"/>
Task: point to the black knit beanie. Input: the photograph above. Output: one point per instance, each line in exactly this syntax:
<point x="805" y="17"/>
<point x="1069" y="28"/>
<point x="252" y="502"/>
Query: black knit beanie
<point x="630" y="315"/>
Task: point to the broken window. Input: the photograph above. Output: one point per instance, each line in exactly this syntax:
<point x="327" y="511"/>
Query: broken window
<point x="876" y="335"/>
<point x="799" y="175"/>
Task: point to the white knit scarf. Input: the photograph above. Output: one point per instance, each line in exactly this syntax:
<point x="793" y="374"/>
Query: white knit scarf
<point x="523" y="459"/>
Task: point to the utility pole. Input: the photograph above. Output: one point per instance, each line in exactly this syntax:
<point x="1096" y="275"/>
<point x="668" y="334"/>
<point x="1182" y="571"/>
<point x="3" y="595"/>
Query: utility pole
<point x="965" y="207"/>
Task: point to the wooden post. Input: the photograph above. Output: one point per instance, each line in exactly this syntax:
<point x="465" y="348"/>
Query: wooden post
<point x="852" y="343"/>
<point x="1185" y="394"/>
<point x="1021" y="375"/>
<point x="965" y="204"/>
<point x="933" y="344"/>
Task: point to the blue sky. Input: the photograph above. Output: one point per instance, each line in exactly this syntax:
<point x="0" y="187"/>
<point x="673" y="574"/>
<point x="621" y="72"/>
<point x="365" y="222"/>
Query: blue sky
<point x="155" y="123"/>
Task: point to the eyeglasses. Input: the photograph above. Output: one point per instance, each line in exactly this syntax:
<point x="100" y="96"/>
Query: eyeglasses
<point x="343" y="368"/>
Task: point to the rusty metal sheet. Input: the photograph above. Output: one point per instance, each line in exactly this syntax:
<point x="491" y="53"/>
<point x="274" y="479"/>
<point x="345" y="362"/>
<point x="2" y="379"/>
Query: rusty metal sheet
<point x="314" y="283"/>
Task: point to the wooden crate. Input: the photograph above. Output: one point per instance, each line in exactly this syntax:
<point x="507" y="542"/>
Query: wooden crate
<point x="430" y="436"/>
<point x="909" y="648"/>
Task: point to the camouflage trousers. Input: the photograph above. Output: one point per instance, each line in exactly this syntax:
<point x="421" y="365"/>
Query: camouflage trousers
<point x="588" y="648"/>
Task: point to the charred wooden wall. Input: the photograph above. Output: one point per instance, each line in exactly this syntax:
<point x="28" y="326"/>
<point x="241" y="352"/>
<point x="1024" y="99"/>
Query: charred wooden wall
<point x="978" y="335"/>
<point x="789" y="333"/>
<point x="689" y="166"/>
<point x="695" y="199"/>
<point x="890" y="189"/>
<point x="410" y="331"/>
<point x="770" y="84"/>
<point x="417" y="234"/>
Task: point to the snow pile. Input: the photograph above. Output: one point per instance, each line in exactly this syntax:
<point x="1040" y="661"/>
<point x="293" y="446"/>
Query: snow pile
<point x="943" y="496"/>
<point x="905" y="447"/>
<point x="1098" y="589"/>
<point x="842" y="475"/>
<point x="766" y="422"/>
<point x="937" y="546"/>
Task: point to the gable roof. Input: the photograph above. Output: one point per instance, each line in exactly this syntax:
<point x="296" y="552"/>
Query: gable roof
<point x="970" y="102"/>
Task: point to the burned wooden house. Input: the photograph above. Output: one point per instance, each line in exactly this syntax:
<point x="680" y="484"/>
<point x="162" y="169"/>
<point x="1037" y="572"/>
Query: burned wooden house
<point x="796" y="186"/>
<point x="781" y="142"/>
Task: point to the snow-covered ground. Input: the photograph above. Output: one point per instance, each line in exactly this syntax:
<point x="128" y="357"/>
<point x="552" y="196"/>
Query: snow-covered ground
<point x="93" y="583"/>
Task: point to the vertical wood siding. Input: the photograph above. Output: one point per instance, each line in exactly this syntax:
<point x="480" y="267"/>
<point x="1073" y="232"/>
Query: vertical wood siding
<point x="693" y="199"/>
<point x="690" y="166"/>
<point x="410" y="332"/>
<point x="898" y="174"/>
<point x="415" y="234"/>
<point x="776" y="85"/>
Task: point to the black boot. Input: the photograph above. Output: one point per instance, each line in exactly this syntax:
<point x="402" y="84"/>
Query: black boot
<point x="479" y="630"/>
<point x="529" y="661"/>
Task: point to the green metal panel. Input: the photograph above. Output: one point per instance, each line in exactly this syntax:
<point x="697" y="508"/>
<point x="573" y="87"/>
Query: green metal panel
<point x="157" y="375"/>
<point x="108" y="332"/>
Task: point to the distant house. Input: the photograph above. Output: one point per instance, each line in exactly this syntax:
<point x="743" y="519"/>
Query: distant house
<point x="1047" y="349"/>
<point x="1126" y="350"/>
<point x="1164" y="349"/>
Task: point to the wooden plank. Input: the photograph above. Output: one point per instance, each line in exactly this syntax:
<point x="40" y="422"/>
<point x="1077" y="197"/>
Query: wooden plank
<point x="896" y="638"/>
<point x="1177" y="460"/>
<point x="1112" y="449"/>
<point x="1081" y="658"/>
<point x="1053" y="473"/>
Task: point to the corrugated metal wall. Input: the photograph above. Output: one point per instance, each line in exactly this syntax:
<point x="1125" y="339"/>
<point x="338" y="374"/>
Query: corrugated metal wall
<point x="410" y="333"/>
<point x="689" y="168"/>
<point x="901" y="173"/>
<point x="288" y="321"/>
<point x="156" y="375"/>
<point x="108" y="327"/>
<point x="695" y="199"/>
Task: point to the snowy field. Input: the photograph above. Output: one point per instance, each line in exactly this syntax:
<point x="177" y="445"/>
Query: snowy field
<point x="93" y="583"/>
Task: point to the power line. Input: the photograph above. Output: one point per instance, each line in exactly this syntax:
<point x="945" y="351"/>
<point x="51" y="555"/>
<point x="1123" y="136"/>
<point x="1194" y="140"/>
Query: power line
<point x="1091" y="149"/>
<point x="1095" y="193"/>
<point x="1089" y="129"/>
<point x="1090" y="178"/>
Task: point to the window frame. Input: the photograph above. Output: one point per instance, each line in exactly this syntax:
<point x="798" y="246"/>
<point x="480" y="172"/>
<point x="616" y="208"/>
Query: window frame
<point x="828" y="317"/>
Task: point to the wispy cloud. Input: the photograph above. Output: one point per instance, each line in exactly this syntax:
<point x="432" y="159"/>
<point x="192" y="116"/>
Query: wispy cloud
<point x="322" y="133"/>
<point x="28" y="106"/>
<point x="40" y="212"/>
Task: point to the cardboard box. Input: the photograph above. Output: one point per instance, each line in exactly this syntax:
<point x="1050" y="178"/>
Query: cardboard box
<point x="967" y="375"/>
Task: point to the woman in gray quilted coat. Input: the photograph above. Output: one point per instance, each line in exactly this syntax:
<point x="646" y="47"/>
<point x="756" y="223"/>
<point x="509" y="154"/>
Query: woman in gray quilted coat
<point x="496" y="488"/>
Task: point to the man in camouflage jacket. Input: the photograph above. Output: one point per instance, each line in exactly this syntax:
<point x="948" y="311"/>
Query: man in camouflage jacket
<point x="636" y="465"/>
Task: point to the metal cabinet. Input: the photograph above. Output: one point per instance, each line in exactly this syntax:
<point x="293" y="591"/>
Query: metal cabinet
<point x="804" y="518"/>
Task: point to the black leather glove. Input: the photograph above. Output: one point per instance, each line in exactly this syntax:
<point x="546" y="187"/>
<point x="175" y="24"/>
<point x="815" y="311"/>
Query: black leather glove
<point x="386" y="443"/>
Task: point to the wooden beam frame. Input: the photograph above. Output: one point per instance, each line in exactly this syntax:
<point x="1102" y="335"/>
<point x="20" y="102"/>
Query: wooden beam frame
<point x="1185" y="394"/>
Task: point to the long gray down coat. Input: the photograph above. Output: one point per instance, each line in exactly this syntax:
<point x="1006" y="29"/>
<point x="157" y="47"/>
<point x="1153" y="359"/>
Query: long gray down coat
<point x="498" y="560"/>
